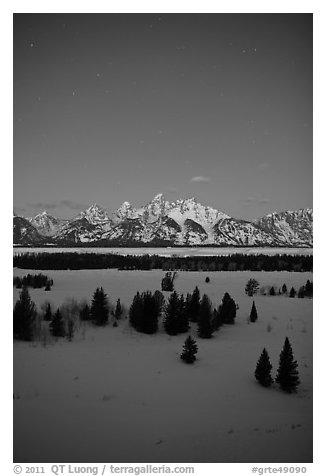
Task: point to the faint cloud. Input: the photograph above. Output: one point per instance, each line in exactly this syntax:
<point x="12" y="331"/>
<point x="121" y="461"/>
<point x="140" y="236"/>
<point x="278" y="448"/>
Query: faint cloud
<point x="252" y="201"/>
<point x="172" y="190"/>
<point x="43" y="205"/>
<point x="57" y="204"/>
<point x="264" y="165"/>
<point x="200" y="179"/>
<point x="73" y="205"/>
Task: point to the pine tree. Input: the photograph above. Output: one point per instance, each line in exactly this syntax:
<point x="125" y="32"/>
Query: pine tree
<point x="253" y="313"/>
<point x="48" y="312"/>
<point x="309" y="288"/>
<point x="118" y="310"/>
<point x="189" y="351"/>
<point x="272" y="291"/>
<point x="150" y="314"/>
<point x="182" y="319"/>
<point x="100" y="307"/>
<point x="292" y="293"/>
<point x="194" y="305"/>
<point x="172" y="310"/>
<point x="284" y="289"/>
<point x="228" y="309"/>
<point x="252" y="287"/>
<point x="263" y="370"/>
<point x="205" y="318"/>
<point x="135" y="312"/>
<point x="287" y="373"/>
<point x="57" y="325"/>
<point x="24" y="317"/>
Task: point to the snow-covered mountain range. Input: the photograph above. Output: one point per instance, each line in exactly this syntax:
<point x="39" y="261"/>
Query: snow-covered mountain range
<point x="162" y="223"/>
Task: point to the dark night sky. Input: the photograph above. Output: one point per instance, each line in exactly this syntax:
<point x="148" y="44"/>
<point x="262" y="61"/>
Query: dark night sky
<point x="114" y="107"/>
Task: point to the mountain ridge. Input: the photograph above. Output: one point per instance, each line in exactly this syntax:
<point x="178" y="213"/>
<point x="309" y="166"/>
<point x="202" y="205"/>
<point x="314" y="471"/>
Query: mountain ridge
<point x="184" y="222"/>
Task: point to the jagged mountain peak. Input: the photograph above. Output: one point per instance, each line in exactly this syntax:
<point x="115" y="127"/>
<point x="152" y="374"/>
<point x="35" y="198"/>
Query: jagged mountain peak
<point x="94" y="214"/>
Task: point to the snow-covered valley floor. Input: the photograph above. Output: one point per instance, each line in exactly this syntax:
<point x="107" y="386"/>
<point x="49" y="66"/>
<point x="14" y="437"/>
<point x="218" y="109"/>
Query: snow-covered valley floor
<point x="114" y="395"/>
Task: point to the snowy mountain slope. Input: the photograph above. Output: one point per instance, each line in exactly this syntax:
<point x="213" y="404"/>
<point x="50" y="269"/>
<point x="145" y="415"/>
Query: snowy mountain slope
<point x="24" y="233"/>
<point x="289" y="226"/>
<point x="183" y="222"/>
<point x="46" y="224"/>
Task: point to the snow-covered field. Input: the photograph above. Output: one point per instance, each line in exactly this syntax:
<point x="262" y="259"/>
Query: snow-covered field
<point x="115" y="395"/>
<point x="171" y="251"/>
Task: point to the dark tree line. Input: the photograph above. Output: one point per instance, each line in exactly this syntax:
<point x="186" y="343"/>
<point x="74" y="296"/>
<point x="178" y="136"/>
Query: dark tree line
<point x="33" y="281"/>
<point x="234" y="262"/>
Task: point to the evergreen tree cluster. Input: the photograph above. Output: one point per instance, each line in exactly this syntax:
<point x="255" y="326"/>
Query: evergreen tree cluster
<point x="234" y="262"/>
<point x="179" y="312"/>
<point x="144" y="312"/>
<point x="33" y="280"/>
<point x="304" y="291"/>
<point x="287" y="374"/>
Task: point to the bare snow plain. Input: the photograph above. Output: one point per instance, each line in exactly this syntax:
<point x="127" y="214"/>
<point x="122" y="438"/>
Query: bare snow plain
<point x="114" y="395"/>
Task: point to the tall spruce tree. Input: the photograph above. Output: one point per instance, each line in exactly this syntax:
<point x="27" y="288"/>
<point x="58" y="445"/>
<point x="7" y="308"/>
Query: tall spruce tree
<point x="24" y="317"/>
<point x="287" y="373"/>
<point x="263" y="370"/>
<point x="253" y="313"/>
<point x="205" y="328"/>
<point x="171" y="315"/>
<point x="189" y="351"/>
<point x="228" y="309"/>
<point x="150" y="313"/>
<point x="194" y="305"/>
<point x="100" y="307"/>
<point x="136" y="312"/>
<point x="57" y="325"/>
<point x="182" y="320"/>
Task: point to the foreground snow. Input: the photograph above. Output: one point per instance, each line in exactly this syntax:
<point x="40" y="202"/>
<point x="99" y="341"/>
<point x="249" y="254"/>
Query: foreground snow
<point x="116" y="395"/>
